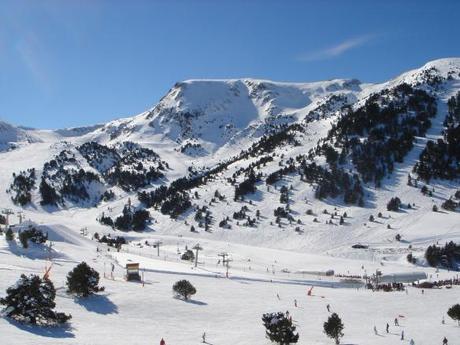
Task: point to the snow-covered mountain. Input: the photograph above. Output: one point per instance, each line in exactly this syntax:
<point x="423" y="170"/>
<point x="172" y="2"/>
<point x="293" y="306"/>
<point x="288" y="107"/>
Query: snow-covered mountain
<point x="214" y="113"/>
<point x="291" y="180"/>
<point x="221" y="131"/>
<point x="11" y="136"/>
<point x="209" y="114"/>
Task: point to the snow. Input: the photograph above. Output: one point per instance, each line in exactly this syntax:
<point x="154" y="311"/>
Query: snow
<point x="266" y="260"/>
<point x="229" y="310"/>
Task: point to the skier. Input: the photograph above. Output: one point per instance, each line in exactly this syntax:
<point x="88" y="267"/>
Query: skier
<point x="162" y="342"/>
<point x="295" y="303"/>
<point x="443" y="321"/>
<point x="412" y="342"/>
<point x="278" y="296"/>
<point x="328" y="307"/>
<point x="388" y="328"/>
<point x="444" y="341"/>
<point x="113" y="269"/>
<point x="375" y="331"/>
<point x="402" y="335"/>
<point x="203" y="337"/>
<point x="396" y="322"/>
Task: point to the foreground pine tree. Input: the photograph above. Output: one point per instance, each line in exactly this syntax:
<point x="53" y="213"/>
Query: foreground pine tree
<point x="23" y="239"/>
<point x="454" y="313"/>
<point x="9" y="235"/>
<point x="184" y="289"/>
<point x="33" y="235"/>
<point x="83" y="280"/>
<point x="279" y="328"/>
<point x="31" y="300"/>
<point x="333" y="327"/>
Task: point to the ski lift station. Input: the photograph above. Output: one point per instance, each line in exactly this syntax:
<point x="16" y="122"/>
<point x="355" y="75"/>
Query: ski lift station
<point x="404" y="277"/>
<point x="132" y="272"/>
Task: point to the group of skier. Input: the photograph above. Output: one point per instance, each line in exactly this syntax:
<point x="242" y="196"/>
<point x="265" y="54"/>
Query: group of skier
<point x="387" y="327"/>
<point x="328" y="307"/>
<point x="411" y="342"/>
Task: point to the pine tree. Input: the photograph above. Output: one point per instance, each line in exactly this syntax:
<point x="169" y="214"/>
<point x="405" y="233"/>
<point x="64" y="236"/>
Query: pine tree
<point x="394" y="204"/>
<point x="24" y="239"/>
<point x="454" y="313"/>
<point x="106" y="220"/>
<point x="279" y="328"/>
<point x="32" y="234"/>
<point x="140" y="218"/>
<point x="9" y="235"/>
<point x="184" y="288"/>
<point x="48" y="194"/>
<point x="83" y="280"/>
<point x="449" y="205"/>
<point x="188" y="255"/>
<point x="333" y="327"/>
<point x="124" y="221"/>
<point x="31" y="300"/>
<point x="411" y="259"/>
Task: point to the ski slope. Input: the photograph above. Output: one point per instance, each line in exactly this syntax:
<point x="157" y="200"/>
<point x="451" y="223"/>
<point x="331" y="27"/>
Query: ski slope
<point x="227" y="309"/>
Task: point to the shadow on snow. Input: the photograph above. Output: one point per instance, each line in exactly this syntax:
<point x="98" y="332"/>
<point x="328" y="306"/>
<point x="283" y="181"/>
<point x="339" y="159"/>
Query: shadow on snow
<point x="191" y="301"/>
<point x="63" y="331"/>
<point x="99" y="304"/>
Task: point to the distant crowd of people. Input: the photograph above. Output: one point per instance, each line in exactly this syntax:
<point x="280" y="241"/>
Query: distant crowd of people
<point x="389" y="287"/>
<point x="437" y="283"/>
<point x="351" y="276"/>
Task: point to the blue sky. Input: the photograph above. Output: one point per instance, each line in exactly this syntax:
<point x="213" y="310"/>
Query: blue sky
<point x="73" y="63"/>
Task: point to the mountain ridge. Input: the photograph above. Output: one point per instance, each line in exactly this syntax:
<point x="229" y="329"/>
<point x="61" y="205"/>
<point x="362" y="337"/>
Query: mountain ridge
<point x="445" y="66"/>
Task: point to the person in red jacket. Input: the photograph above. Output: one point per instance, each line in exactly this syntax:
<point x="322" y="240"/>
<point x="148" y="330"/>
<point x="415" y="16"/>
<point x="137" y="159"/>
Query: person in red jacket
<point x="162" y="342"/>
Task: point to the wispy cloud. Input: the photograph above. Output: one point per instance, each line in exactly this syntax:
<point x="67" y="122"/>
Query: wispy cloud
<point x="31" y="52"/>
<point x="337" y="49"/>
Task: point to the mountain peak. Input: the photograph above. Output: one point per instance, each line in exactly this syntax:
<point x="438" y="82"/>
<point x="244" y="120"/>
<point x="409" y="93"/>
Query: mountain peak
<point x="220" y="111"/>
<point x="444" y="63"/>
<point x="444" y="68"/>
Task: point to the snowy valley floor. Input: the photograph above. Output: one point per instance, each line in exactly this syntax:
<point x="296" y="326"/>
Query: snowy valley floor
<point x="228" y="310"/>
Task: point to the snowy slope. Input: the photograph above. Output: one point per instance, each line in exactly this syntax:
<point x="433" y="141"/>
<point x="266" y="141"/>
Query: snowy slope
<point x="228" y="310"/>
<point x="11" y="136"/>
<point x="214" y="113"/>
<point x="222" y="117"/>
<point x="199" y="124"/>
<point x="219" y="118"/>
